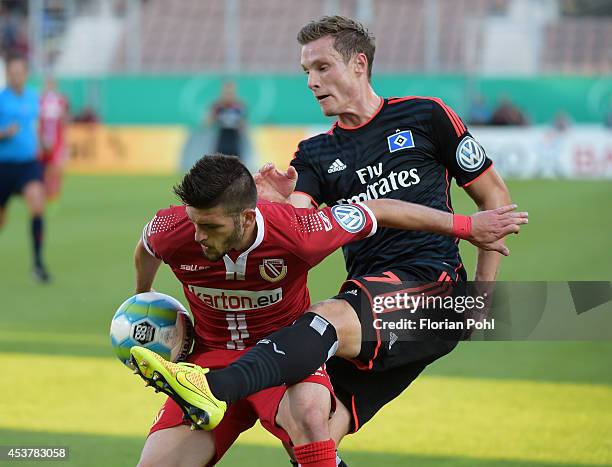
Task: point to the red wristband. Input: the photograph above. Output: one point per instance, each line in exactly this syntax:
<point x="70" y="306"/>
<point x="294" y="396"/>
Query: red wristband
<point x="462" y="226"/>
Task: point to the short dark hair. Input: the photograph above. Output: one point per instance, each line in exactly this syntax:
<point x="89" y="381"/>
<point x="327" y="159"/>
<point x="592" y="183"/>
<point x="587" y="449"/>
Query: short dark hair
<point x="218" y="180"/>
<point x="14" y="57"/>
<point x="350" y="37"/>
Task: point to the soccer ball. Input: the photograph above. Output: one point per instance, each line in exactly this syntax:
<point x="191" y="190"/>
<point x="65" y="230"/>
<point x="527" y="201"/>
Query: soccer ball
<point x="155" y="321"/>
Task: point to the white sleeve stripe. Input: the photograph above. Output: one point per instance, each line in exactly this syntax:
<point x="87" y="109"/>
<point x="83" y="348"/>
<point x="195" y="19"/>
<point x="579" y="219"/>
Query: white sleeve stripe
<point x="145" y="243"/>
<point x="373" y="217"/>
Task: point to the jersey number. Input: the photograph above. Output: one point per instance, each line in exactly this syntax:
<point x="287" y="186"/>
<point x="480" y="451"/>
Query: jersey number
<point x="237" y="326"/>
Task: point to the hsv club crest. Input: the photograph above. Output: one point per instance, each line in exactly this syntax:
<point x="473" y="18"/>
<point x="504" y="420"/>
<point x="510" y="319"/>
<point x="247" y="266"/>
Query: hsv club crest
<point x="273" y="270"/>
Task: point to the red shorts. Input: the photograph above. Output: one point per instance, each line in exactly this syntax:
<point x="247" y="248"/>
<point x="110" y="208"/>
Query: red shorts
<point x="243" y="414"/>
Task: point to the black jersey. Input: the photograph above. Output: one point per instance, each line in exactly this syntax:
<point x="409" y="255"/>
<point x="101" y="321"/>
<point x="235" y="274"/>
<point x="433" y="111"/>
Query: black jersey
<point x="409" y="150"/>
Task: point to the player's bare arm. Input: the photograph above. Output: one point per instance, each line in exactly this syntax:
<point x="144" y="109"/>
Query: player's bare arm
<point x="488" y="192"/>
<point x="146" y="268"/>
<point x="484" y="229"/>
<point x="9" y="131"/>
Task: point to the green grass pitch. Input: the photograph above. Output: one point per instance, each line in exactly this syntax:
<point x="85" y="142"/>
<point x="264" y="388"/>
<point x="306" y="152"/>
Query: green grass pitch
<point x="487" y="404"/>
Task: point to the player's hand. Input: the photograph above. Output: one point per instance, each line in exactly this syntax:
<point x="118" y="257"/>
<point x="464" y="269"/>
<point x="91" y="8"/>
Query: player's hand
<point x="274" y="185"/>
<point x="490" y="227"/>
<point x="46" y="144"/>
<point x="11" y="130"/>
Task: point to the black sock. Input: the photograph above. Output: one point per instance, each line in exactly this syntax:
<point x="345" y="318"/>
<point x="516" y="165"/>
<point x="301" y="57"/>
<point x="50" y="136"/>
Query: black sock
<point x="37" y="238"/>
<point x="286" y="356"/>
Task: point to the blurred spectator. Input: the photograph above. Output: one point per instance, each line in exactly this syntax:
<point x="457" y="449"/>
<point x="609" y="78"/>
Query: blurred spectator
<point x="87" y="115"/>
<point x="85" y="148"/>
<point x="551" y="146"/>
<point x="13" y="31"/>
<point x="507" y="114"/>
<point x="608" y="120"/>
<point x="120" y="8"/>
<point x="228" y="114"/>
<point x="498" y="7"/>
<point x="561" y="122"/>
<point x="598" y="8"/>
<point x="21" y="46"/>
<point x="480" y="112"/>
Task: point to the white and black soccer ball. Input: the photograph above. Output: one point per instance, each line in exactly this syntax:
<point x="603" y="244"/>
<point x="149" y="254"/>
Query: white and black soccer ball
<point x="153" y="320"/>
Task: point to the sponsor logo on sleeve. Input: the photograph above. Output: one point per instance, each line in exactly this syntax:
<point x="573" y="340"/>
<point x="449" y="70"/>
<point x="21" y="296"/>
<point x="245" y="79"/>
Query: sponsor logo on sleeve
<point x="351" y="218"/>
<point x="470" y="155"/>
<point x="327" y="224"/>
<point x="400" y="140"/>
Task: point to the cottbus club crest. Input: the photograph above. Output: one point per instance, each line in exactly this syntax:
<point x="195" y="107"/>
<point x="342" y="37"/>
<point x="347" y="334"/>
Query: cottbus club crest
<point x="273" y="270"/>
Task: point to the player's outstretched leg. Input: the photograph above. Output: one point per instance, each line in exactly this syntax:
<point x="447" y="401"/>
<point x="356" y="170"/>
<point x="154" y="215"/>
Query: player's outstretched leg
<point x="290" y="354"/>
<point x="184" y="382"/>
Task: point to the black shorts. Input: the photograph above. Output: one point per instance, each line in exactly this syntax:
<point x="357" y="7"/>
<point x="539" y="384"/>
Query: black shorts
<point x="390" y="358"/>
<point x="15" y="176"/>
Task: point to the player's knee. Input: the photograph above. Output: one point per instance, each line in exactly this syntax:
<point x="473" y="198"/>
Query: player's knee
<point x="34" y="195"/>
<point x="37" y="208"/>
<point x="340" y="423"/>
<point x="145" y="462"/>
<point x="307" y="425"/>
<point x="157" y="462"/>
<point x="313" y="422"/>
<point x="177" y="447"/>
<point x="305" y="415"/>
<point x="343" y="318"/>
<point x="149" y="459"/>
<point x="2" y="218"/>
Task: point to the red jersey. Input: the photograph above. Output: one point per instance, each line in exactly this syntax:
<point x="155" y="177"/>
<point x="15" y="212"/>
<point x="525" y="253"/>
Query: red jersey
<point x="246" y="296"/>
<point x="53" y="111"/>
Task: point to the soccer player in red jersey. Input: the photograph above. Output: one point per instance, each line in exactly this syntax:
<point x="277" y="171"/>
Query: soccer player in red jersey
<point x="405" y="148"/>
<point x="53" y="118"/>
<point x="243" y="266"/>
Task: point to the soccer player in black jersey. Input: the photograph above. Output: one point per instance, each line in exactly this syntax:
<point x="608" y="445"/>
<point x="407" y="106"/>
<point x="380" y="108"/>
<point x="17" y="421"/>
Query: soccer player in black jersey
<point x="406" y="148"/>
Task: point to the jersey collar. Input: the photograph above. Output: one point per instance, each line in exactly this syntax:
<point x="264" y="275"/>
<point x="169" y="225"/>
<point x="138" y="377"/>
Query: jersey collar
<point x="351" y="128"/>
<point x="236" y="270"/>
<point x="260" y="233"/>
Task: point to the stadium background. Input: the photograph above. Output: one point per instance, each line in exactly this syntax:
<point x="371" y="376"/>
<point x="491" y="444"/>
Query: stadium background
<point x="150" y="69"/>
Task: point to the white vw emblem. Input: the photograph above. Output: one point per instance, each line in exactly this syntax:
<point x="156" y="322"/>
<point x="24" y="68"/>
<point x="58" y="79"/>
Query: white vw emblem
<point x="351" y="218"/>
<point x="470" y="155"/>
